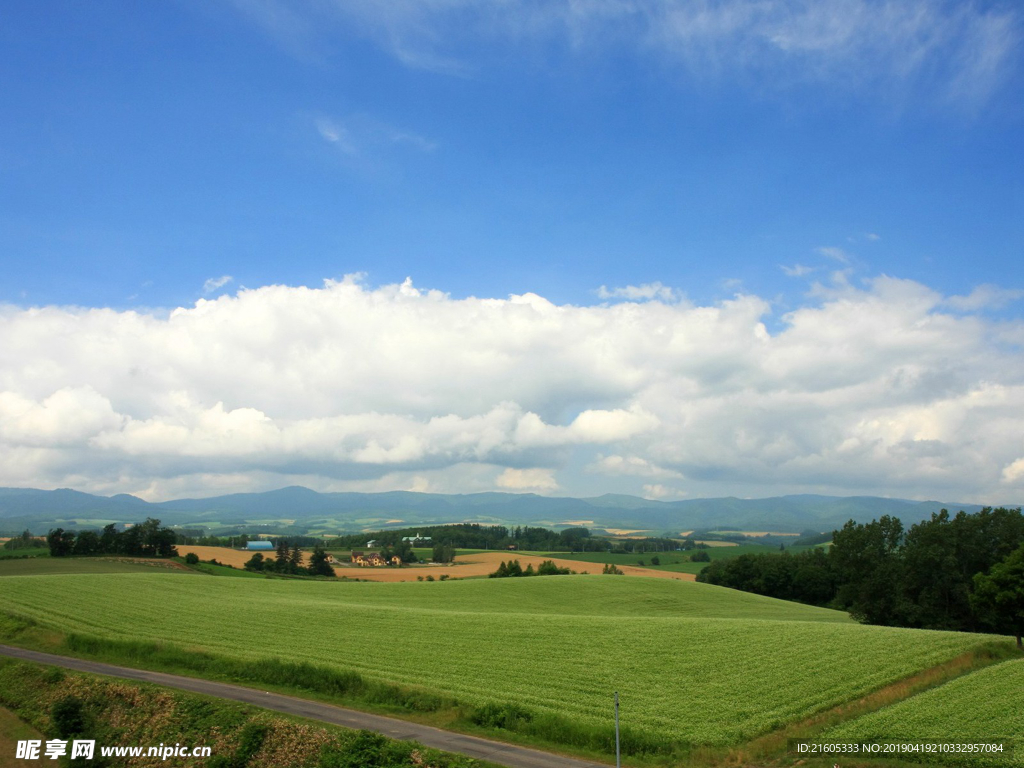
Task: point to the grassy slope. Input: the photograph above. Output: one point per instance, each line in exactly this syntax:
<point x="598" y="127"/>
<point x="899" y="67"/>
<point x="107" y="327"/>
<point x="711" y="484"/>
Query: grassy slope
<point x="982" y="706"/>
<point x="698" y="662"/>
<point x="6" y="554"/>
<point x="674" y="561"/>
<point x="38" y="566"/>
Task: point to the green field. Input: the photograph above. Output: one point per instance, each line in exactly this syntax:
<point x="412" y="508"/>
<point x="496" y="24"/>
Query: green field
<point x="6" y="554"/>
<point x="693" y="663"/>
<point x="671" y="561"/>
<point x="37" y="566"/>
<point x="983" y="706"/>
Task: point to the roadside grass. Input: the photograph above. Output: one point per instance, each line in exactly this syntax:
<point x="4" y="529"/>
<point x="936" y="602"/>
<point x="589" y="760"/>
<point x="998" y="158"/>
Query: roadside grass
<point x="118" y="713"/>
<point x="12" y="730"/>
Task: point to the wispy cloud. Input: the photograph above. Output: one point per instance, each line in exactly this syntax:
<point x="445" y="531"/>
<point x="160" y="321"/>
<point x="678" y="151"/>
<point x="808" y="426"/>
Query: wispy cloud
<point x="644" y="292"/>
<point x="797" y="270"/>
<point x="831" y="252"/>
<point x="215" y="283"/>
<point x="944" y="51"/>
<point x="359" y="135"/>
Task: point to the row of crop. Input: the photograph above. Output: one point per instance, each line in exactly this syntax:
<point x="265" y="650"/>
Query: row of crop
<point x="951" y="724"/>
<point x="701" y="680"/>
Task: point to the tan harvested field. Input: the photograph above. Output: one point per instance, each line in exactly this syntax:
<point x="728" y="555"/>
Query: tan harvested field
<point x="719" y="543"/>
<point x="749" y="534"/>
<point x="576" y="522"/>
<point x="624" y="531"/>
<point x="487" y="562"/>
<point x="235" y="557"/>
<point x="465" y="565"/>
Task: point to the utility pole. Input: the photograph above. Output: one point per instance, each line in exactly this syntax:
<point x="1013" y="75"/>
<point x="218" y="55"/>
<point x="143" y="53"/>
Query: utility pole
<point x="618" y="760"/>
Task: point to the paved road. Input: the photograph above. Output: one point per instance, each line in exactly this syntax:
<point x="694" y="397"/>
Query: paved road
<point x="472" y="746"/>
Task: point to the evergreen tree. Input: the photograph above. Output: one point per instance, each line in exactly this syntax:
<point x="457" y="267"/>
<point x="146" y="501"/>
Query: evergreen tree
<point x="318" y="564"/>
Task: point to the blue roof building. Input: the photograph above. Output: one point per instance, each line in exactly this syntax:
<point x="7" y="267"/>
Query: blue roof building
<point x="260" y="546"/>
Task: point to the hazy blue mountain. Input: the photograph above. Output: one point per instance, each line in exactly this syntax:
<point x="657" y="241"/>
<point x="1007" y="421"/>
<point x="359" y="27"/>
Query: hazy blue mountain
<point x="40" y="510"/>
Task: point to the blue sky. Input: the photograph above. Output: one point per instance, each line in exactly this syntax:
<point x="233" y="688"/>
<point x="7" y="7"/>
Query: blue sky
<point x="621" y="159"/>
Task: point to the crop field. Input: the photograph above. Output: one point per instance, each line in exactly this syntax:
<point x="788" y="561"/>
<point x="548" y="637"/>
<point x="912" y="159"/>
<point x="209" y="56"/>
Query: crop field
<point x="676" y="562"/>
<point x="982" y="706"/>
<point x="35" y="566"/>
<point x="692" y="662"/>
<point x="22" y="553"/>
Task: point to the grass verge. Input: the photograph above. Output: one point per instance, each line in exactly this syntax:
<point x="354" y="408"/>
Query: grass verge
<point x="114" y="713"/>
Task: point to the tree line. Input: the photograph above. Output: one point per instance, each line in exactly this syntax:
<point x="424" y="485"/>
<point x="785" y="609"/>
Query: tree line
<point x="512" y="569"/>
<point x="951" y="572"/>
<point x="146" y="539"/>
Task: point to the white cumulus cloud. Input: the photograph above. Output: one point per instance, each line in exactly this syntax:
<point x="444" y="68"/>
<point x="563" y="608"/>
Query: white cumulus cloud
<point x="871" y="389"/>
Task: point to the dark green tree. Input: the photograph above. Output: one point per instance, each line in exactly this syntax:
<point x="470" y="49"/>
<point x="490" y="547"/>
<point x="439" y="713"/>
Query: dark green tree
<point x="87" y="543"/>
<point x="61" y="542"/>
<point x="108" y="539"/>
<point x="999" y="595"/>
<point x="281" y="561"/>
<point x="868" y="563"/>
<point x="443" y="553"/>
<point x="318" y="563"/>
<point x="255" y="563"/>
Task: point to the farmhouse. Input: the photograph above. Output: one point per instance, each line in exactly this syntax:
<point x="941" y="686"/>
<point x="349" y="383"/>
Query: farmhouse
<point x="417" y="539"/>
<point x="373" y="559"/>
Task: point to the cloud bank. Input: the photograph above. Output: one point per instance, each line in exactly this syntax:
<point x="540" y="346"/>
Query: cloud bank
<point x="888" y="387"/>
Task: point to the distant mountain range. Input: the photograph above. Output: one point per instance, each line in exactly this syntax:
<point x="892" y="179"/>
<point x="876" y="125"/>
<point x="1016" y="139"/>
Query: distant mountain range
<point x="301" y="508"/>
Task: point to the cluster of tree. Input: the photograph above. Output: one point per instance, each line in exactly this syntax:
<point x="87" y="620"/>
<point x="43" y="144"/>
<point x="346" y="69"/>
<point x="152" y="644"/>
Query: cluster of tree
<point x="402" y="550"/>
<point x="25" y="540"/>
<point x="146" y="539"/>
<point x="443" y="553"/>
<point x="949" y="572"/>
<point x="289" y="561"/>
<point x="612" y="569"/>
<point x="806" y="577"/>
<point x="649" y="544"/>
<point x="512" y="568"/>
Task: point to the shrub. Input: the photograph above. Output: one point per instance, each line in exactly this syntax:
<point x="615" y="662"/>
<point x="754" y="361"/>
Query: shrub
<point x="191" y="558"/>
<point x="68" y="717"/>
